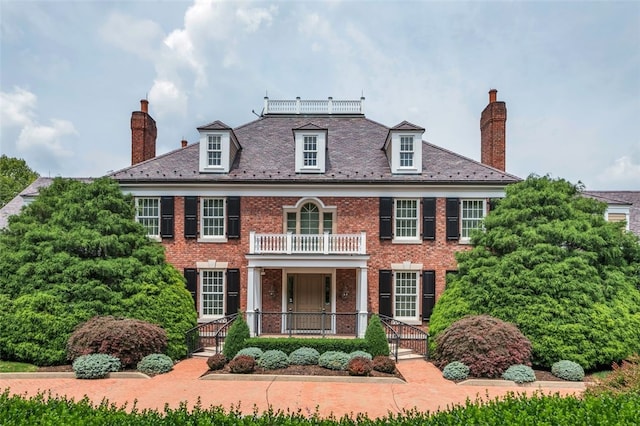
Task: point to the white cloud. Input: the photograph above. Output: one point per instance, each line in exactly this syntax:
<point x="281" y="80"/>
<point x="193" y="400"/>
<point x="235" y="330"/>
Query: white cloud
<point x="254" y="17"/>
<point x="138" y="36"/>
<point x="16" y="108"/>
<point x="623" y="170"/>
<point x="168" y="99"/>
<point x="51" y="139"/>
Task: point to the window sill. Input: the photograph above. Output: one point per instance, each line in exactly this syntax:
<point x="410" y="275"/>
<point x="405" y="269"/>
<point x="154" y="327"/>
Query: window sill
<point x="155" y="238"/>
<point x="464" y="241"/>
<point x="208" y="318"/>
<point x="212" y="240"/>
<point x="410" y="321"/>
<point x="398" y="241"/>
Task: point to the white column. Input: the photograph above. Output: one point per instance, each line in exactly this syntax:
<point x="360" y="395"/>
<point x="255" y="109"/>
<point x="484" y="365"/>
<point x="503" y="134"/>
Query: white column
<point x="362" y="290"/>
<point x="252" y="282"/>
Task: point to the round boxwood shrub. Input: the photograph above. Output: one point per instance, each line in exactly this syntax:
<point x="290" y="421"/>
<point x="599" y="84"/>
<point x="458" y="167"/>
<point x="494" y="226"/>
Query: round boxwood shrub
<point x="127" y="339"/>
<point x="252" y="351"/>
<point x="455" y="371"/>
<point x="95" y="366"/>
<point x="155" y="364"/>
<point x="568" y="370"/>
<point x="359" y="366"/>
<point x="334" y="360"/>
<point x="238" y="333"/>
<point x="304" y="356"/>
<point x="384" y="364"/>
<point x="487" y="345"/>
<point x="216" y="362"/>
<point x="243" y="364"/>
<point x="376" y="337"/>
<point x="273" y="359"/>
<point x="519" y="374"/>
<point x="362" y="354"/>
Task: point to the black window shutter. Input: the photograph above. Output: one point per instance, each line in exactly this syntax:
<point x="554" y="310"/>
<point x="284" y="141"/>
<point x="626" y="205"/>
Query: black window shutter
<point x="428" y="293"/>
<point x="385" y="292"/>
<point x="233" y="217"/>
<point x="190" y="217"/>
<point x="386" y="216"/>
<point x="453" y="218"/>
<point x="166" y="217"/>
<point x="233" y="291"/>
<point x="191" y="275"/>
<point x="428" y="218"/>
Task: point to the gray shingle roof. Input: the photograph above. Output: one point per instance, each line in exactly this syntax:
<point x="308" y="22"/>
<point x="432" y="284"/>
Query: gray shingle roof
<point x="353" y="156"/>
<point x="631" y="198"/>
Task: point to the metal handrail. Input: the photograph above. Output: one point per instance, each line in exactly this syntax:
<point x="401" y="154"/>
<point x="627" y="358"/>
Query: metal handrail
<point x="216" y="330"/>
<point x="408" y="336"/>
<point x="306" y="323"/>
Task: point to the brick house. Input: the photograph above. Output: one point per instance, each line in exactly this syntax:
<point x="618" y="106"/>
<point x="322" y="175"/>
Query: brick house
<point x="314" y="208"/>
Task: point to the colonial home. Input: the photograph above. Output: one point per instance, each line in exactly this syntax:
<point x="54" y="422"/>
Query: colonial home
<point x="313" y="216"/>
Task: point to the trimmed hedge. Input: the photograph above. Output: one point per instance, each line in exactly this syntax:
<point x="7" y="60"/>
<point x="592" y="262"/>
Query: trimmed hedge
<point x="521" y="410"/>
<point x="273" y="359"/>
<point x="334" y="360"/>
<point x="376" y="338"/>
<point x="95" y="366"/>
<point x="155" y="364"/>
<point x="290" y="344"/>
<point x="568" y="370"/>
<point x="455" y="371"/>
<point x="519" y="374"/>
<point x="253" y="352"/>
<point x="238" y="334"/>
<point x="304" y="356"/>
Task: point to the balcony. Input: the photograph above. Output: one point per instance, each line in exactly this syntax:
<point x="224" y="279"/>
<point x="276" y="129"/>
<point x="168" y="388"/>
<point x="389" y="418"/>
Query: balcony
<point x="308" y="244"/>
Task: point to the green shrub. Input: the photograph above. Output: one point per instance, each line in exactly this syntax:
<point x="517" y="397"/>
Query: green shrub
<point x="384" y="364"/>
<point x="273" y="359"/>
<point x="455" y="371"/>
<point x="359" y="366"/>
<point x="155" y="364"/>
<point x="624" y="378"/>
<point x="238" y="333"/>
<point x="243" y="364"/>
<point x="519" y="374"/>
<point x="216" y="362"/>
<point x="568" y="370"/>
<point x="304" y="356"/>
<point x="129" y="340"/>
<point x="95" y="366"/>
<point x="376" y="338"/>
<point x="362" y="354"/>
<point x="487" y="345"/>
<point x="290" y="344"/>
<point x="253" y="352"/>
<point x="334" y="360"/>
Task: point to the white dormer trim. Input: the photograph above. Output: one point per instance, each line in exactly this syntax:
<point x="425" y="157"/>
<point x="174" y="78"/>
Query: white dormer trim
<point x="404" y="151"/>
<point x="224" y="163"/>
<point x="310" y="150"/>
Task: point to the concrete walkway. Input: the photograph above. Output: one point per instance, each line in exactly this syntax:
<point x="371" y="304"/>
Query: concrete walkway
<point x="425" y="390"/>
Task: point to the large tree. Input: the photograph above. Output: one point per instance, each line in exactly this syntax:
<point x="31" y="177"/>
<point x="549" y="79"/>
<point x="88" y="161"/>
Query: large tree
<point x="548" y="262"/>
<point x="77" y="252"/>
<point x="15" y="176"/>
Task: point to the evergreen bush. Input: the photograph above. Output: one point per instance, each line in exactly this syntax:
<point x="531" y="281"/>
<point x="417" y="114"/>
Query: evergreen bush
<point x="238" y="333"/>
<point x="362" y="354"/>
<point x="455" y="371"/>
<point x="95" y="366"/>
<point x="155" y="364"/>
<point x="290" y="344"/>
<point x="519" y="374"/>
<point x="384" y="364"/>
<point x="304" y="356"/>
<point x="273" y="359"/>
<point x="376" y="338"/>
<point x="334" y="360"/>
<point x="568" y="370"/>
<point x="244" y="364"/>
<point x="252" y="351"/>
<point x="216" y="362"/>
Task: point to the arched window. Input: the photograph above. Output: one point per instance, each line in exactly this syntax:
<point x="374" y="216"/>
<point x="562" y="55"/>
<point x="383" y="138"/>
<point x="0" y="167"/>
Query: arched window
<point x="309" y="219"/>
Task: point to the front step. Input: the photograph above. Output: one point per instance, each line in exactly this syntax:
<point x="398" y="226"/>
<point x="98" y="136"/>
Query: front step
<point x="208" y="351"/>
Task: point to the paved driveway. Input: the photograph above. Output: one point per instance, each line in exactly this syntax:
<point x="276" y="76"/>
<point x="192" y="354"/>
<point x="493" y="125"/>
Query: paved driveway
<point x="425" y="389"/>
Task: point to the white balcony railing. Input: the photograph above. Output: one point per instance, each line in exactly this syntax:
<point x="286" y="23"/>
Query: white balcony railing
<point x="308" y="244"/>
<point x="299" y="106"/>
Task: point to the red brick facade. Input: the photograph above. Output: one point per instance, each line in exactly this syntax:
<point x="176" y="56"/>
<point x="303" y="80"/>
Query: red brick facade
<point x="143" y="134"/>
<point x="493" y="122"/>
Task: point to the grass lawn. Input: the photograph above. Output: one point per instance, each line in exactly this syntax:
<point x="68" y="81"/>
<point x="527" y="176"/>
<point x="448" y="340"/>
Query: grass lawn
<point x="16" y="367"/>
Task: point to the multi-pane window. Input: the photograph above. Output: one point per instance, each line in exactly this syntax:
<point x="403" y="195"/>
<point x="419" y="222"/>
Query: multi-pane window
<point x="212" y="217"/>
<point x="310" y="151"/>
<point x="309" y="220"/>
<point x="406" y="218"/>
<point x="148" y="214"/>
<point x="214" y="150"/>
<point x="406" y="295"/>
<point x="472" y="214"/>
<point x="406" y="151"/>
<point x="212" y="292"/>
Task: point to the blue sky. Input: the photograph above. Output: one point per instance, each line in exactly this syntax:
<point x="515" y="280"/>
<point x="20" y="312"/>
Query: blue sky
<point x="71" y="72"/>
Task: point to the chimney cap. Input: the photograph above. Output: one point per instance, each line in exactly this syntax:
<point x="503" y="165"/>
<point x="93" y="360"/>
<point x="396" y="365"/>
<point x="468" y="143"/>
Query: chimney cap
<point x="493" y="95"/>
<point x="184" y="143"/>
<point x="144" y="105"/>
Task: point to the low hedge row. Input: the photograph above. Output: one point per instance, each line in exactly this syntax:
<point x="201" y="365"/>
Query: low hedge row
<point x="290" y="344"/>
<point x="41" y="409"/>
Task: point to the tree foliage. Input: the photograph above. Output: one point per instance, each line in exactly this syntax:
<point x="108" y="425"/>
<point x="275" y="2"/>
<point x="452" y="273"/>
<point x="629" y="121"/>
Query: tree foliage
<point x="15" y="176"/>
<point x="74" y="253"/>
<point x="548" y="262"/>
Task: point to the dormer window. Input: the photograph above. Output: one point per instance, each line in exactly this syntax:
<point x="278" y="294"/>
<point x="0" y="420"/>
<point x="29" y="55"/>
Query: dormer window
<point x="310" y="147"/>
<point x="218" y="148"/>
<point x="214" y="150"/>
<point x="403" y="147"/>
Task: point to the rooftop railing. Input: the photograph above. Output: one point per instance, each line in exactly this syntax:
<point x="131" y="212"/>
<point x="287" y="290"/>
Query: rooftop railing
<point x="299" y="106"/>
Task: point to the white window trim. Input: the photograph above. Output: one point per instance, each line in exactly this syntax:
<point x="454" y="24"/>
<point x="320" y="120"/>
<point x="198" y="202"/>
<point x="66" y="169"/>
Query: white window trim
<point x="618" y="210"/>
<point x="201" y="292"/>
<point x="467" y="240"/>
<point x="409" y="320"/>
<point x="394" y="149"/>
<point x="153" y="237"/>
<point x="321" y="145"/>
<point x="212" y="238"/>
<point x="322" y="209"/>
<point x="225" y="145"/>
<point x="412" y="152"/>
<point x="407" y="240"/>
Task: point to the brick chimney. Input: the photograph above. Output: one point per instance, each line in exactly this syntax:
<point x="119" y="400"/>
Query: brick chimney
<point x="492" y="133"/>
<point x="143" y="134"/>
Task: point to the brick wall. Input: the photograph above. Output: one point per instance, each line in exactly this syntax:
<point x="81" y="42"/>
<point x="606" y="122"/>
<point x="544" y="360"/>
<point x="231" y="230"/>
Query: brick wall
<point x="143" y="135"/>
<point x="493" y="123"/>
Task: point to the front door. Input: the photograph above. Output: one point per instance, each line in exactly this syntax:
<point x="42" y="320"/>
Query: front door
<point x="309" y="301"/>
